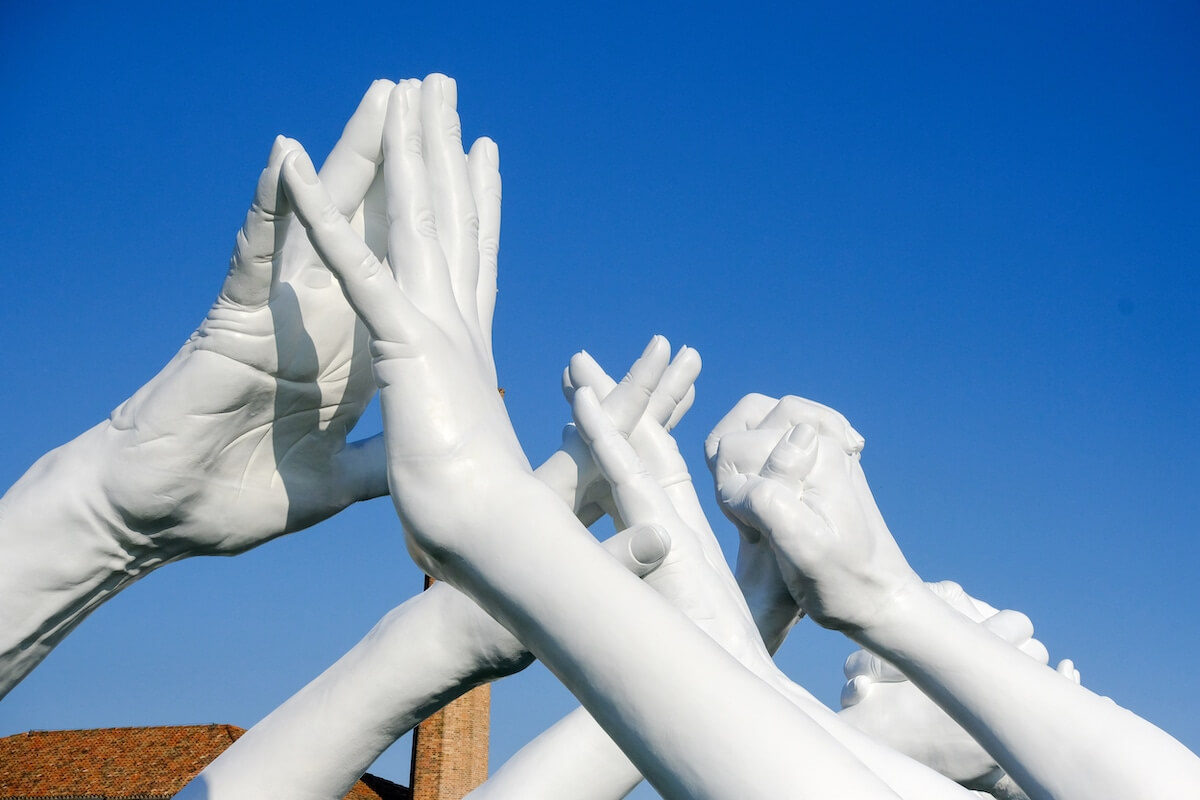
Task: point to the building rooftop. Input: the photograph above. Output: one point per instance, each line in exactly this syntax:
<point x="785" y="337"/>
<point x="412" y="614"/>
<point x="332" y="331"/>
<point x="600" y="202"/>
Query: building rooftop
<point x="128" y="763"/>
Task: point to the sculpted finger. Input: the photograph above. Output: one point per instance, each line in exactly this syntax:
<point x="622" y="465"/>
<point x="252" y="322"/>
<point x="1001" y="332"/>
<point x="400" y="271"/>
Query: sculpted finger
<point x="1066" y="668"/>
<point x="640" y="549"/>
<point x="640" y="497"/>
<point x="746" y="452"/>
<point x="1011" y="626"/>
<point x="1035" y="650"/>
<point x="354" y="160"/>
<point x="763" y="504"/>
<point x="414" y="250"/>
<point x="568" y="388"/>
<point x="798" y="534"/>
<point x="362" y="469"/>
<point x="793" y="458"/>
<point x="685" y="405"/>
<point x="624" y="403"/>
<point x="867" y="665"/>
<point x="583" y="370"/>
<point x="744" y="416"/>
<point x="369" y="287"/>
<point x="251" y="266"/>
<point x="855" y="691"/>
<point x="483" y="170"/>
<point x="792" y="410"/>
<point x="676" y="389"/>
<point x="453" y="204"/>
<point x="375" y="219"/>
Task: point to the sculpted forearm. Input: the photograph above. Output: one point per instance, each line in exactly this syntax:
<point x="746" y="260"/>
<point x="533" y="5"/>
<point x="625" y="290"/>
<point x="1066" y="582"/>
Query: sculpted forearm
<point x="64" y="550"/>
<point x="1054" y="737"/>
<point x="419" y="657"/>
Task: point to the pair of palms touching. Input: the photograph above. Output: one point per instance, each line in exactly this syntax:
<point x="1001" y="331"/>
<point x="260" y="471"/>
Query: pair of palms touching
<point x="243" y="435"/>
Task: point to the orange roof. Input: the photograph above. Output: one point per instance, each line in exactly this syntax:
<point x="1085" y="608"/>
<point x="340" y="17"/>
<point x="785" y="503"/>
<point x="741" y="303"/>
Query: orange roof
<point x="127" y="763"/>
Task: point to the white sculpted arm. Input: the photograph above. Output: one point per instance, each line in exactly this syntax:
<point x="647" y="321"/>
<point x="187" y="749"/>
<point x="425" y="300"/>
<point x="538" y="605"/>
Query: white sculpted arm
<point x="649" y="483"/>
<point x="476" y="516"/>
<point x="240" y="438"/>
<point x="418" y="658"/>
<point x="878" y="700"/>
<point x="435" y="646"/>
<point x="806" y="491"/>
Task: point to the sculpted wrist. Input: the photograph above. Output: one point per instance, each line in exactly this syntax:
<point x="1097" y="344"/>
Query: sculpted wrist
<point x="909" y="602"/>
<point x="66" y="551"/>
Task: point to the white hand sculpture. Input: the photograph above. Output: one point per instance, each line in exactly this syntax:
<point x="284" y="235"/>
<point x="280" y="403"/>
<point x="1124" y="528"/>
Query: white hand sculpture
<point x="475" y="515"/>
<point x="429" y="309"/>
<point x="802" y="485"/>
<point x="572" y="472"/>
<point x="239" y="439"/>
<point x="804" y="490"/>
<point x="758" y="572"/>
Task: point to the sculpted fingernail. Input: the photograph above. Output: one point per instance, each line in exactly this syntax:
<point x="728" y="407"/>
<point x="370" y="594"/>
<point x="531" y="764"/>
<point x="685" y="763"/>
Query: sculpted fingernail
<point x="449" y="92"/>
<point x="400" y="98"/>
<point x="802" y="436"/>
<point x="649" y="544"/>
<point x="493" y="152"/>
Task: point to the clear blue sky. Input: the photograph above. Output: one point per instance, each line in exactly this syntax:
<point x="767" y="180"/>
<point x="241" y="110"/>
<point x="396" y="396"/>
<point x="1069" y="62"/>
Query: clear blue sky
<point x="973" y="228"/>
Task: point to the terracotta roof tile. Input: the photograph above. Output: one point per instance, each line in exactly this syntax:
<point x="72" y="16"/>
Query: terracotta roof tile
<point x="127" y="763"/>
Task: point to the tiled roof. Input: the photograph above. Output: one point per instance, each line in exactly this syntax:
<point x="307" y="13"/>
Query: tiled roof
<point x="128" y="763"/>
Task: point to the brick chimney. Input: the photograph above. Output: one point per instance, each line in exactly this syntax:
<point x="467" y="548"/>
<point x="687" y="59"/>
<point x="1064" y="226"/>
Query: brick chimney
<point x="450" y="748"/>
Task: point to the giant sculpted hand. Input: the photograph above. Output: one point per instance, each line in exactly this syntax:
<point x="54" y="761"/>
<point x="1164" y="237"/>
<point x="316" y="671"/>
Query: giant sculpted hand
<point x="240" y="438"/>
<point x="245" y="429"/>
<point x="429" y="307"/>
<point x="789" y="471"/>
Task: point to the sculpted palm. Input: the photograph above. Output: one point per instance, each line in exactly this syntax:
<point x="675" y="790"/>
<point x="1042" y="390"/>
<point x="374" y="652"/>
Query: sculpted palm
<point x="243" y="435"/>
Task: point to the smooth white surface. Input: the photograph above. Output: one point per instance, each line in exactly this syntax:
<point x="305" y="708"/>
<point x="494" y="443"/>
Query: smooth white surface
<point x="791" y="477"/>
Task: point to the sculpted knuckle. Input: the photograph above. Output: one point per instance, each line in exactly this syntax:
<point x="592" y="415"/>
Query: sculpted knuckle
<point x="411" y="142"/>
<point x="425" y="223"/>
<point x="489" y="247"/>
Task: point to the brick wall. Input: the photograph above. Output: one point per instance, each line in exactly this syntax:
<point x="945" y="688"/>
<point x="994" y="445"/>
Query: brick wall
<point x="450" y="749"/>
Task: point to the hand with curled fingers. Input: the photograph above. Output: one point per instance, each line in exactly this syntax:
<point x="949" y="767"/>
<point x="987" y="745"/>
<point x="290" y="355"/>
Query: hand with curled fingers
<point x="789" y="471"/>
<point x="880" y="701"/>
